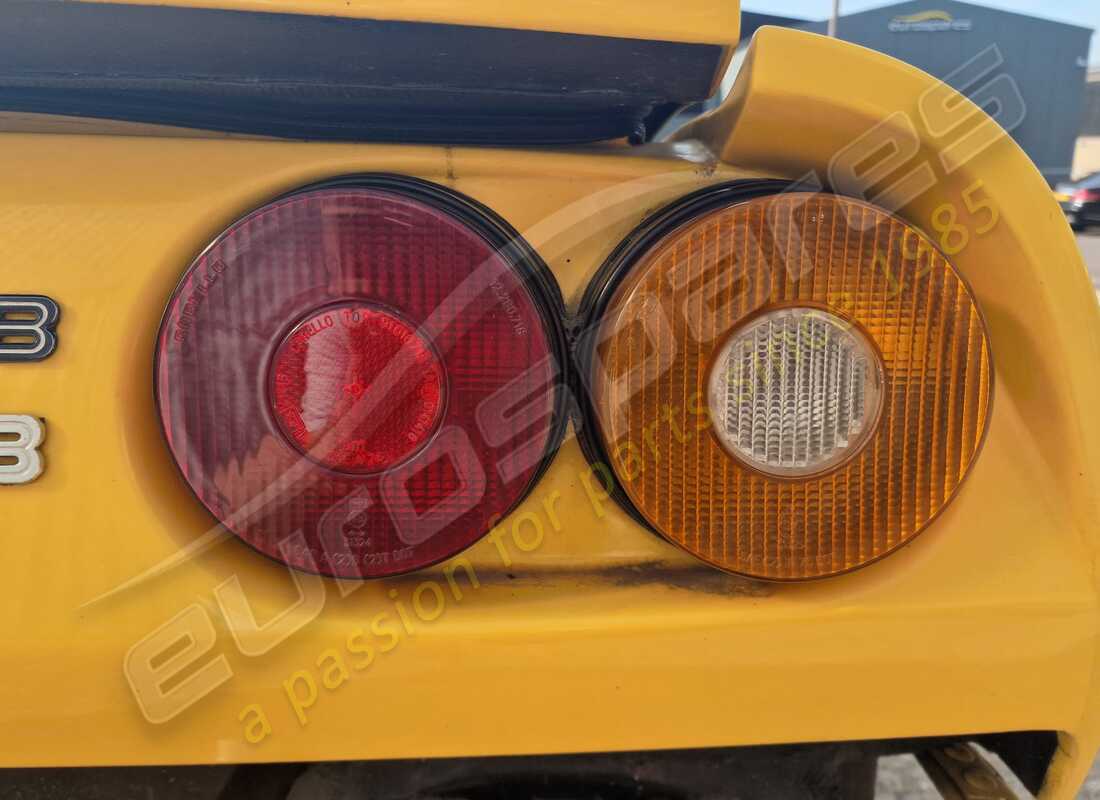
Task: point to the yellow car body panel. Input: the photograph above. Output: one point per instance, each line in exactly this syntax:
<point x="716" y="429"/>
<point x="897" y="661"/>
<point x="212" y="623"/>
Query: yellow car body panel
<point x="584" y="632"/>
<point x="1038" y="303"/>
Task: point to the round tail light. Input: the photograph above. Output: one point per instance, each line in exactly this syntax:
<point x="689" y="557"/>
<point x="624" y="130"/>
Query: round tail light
<point x="789" y="385"/>
<point x="357" y="378"/>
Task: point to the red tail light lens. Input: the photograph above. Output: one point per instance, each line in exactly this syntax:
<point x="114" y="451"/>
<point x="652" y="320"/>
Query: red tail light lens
<point x="356" y="379"/>
<point x="326" y="366"/>
<point x="1087" y="195"/>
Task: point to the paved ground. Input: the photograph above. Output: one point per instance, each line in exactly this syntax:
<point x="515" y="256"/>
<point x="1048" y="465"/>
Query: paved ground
<point x="901" y="778"/>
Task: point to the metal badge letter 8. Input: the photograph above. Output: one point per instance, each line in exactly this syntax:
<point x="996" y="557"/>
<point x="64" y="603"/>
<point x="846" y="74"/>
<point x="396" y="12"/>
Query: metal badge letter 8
<point x="20" y="461"/>
<point x="27" y="323"/>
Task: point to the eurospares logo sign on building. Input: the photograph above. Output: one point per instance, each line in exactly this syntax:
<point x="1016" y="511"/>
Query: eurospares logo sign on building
<point x="928" y="22"/>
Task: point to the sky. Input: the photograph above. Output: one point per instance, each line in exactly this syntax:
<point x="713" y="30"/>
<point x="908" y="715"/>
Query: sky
<point x="1078" y="12"/>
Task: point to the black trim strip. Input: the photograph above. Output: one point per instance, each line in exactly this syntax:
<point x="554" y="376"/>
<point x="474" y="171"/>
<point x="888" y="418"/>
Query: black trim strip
<point x="316" y="77"/>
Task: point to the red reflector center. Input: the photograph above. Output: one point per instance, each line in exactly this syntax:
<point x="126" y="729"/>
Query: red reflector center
<point x="356" y="388"/>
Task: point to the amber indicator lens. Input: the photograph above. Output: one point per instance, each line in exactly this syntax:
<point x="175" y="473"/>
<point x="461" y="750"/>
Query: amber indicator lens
<point x="791" y="386"/>
<point x="795" y="391"/>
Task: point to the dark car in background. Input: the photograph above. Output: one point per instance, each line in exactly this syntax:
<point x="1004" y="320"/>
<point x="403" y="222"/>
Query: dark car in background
<point x="1080" y="201"/>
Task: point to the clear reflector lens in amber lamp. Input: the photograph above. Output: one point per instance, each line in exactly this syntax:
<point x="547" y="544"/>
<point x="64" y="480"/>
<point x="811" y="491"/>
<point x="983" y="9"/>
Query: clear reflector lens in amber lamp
<point x="789" y="387"/>
<point x="795" y="392"/>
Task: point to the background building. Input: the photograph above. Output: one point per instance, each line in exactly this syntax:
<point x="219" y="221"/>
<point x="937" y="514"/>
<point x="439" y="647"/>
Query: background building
<point x="1048" y="61"/>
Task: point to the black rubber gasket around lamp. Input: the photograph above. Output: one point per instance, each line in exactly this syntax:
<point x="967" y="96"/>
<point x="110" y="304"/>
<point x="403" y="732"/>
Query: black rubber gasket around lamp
<point x="602" y="288"/>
